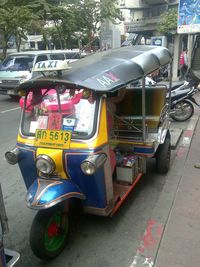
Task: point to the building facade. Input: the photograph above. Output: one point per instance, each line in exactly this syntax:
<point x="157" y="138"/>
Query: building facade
<point x="145" y="15"/>
<point x="142" y="17"/>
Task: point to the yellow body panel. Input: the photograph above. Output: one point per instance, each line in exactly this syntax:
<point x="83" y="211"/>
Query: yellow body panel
<point x="115" y="142"/>
<point x="57" y="156"/>
<point x="25" y="140"/>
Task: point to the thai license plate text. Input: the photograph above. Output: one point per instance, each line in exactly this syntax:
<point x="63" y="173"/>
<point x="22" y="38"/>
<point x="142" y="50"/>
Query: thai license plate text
<point x="52" y="138"/>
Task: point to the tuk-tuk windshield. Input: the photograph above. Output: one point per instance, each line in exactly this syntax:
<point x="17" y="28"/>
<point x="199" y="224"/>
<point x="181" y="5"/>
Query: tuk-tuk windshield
<point x="59" y="109"/>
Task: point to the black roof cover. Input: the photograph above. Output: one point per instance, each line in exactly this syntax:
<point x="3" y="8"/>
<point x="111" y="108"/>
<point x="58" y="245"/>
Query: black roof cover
<point x="111" y="69"/>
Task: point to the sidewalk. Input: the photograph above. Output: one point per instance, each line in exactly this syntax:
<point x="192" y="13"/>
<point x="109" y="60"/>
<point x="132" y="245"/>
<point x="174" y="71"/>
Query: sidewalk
<point x="180" y="243"/>
<point x="172" y="235"/>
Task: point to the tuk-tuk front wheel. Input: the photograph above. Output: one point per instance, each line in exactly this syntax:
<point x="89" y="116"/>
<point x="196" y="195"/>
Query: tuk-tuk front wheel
<point x="163" y="156"/>
<point x="49" y="232"/>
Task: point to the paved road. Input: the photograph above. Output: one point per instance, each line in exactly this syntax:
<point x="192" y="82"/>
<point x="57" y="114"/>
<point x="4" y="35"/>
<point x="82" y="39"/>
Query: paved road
<point x="94" y="241"/>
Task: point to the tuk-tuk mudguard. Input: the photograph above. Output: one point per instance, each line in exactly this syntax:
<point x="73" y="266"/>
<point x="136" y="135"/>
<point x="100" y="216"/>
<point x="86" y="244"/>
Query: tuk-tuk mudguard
<point x="45" y="193"/>
<point x="163" y="132"/>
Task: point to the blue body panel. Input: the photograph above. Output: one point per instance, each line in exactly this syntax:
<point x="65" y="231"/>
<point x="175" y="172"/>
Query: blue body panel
<point x="27" y="164"/>
<point x="44" y="193"/>
<point x="91" y="186"/>
<point x="144" y="150"/>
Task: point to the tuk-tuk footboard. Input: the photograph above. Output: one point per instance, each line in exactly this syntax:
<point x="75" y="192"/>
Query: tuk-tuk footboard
<point x="129" y="171"/>
<point x="121" y="192"/>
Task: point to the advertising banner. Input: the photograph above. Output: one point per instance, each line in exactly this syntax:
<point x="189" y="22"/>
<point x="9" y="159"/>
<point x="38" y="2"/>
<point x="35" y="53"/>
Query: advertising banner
<point x="159" y="40"/>
<point x="189" y="16"/>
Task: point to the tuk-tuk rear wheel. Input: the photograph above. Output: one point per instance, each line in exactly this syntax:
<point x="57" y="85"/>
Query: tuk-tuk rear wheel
<point x="163" y="156"/>
<point x="49" y="232"/>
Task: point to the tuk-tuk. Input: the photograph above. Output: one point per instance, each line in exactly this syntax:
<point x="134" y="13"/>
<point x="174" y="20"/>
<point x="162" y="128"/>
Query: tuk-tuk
<point x="86" y="132"/>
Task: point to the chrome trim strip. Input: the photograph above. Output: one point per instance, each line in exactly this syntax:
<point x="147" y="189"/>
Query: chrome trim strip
<point x="108" y="178"/>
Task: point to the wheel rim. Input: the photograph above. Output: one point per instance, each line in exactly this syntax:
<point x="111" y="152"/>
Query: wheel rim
<point x="183" y="111"/>
<point x="56" y="232"/>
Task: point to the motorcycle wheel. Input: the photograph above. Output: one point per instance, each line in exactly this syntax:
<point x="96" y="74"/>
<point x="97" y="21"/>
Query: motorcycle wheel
<point x="163" y="156"/>
<point x="182" y="111"/>
<point x="49" y="232"/>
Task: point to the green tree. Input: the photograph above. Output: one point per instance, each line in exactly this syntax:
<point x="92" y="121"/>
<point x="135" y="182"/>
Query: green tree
<point x="69" y="20"/>
<point x="14" y="21"/>
<point x="65" y="24"/>
<point x="22" y="22"/>
<point x="169" y="21"/>
<point x="62" y="16"/>
<point x="5" y="29"/>
<point x="93" y="14"/>
<point x="42" y="9"/>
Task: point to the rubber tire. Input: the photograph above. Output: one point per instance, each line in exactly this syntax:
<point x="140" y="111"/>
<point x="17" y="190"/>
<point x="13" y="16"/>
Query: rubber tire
<point x="163" y="156"/>
<point x="38" y="229"/>
<point x="173" y="116"/>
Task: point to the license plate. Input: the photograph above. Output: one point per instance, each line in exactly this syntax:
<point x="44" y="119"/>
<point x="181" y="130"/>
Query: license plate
<point x="11" y="92"/>
<point x="52" y="139"/>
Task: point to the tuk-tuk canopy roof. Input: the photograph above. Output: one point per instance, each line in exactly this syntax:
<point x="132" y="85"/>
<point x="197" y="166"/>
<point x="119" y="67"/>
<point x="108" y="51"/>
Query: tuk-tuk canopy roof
<point x="109" y="70"/>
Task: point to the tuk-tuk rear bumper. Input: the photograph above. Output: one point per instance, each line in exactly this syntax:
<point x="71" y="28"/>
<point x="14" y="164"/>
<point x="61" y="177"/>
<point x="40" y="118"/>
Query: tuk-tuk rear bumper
<point x="45" y="193"/>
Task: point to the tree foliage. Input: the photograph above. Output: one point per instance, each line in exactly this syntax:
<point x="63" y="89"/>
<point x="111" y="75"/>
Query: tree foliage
<point x="169" y="21"/>
<point x="59" y="21"/>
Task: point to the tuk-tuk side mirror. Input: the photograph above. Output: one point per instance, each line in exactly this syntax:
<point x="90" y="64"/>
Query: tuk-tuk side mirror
<point x="12" y="156"/>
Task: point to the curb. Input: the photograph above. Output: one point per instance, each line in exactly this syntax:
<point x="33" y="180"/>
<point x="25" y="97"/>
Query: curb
<point x="147" y="250"/>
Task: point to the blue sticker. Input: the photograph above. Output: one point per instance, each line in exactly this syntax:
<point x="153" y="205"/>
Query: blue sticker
<point x="67" y="128"/>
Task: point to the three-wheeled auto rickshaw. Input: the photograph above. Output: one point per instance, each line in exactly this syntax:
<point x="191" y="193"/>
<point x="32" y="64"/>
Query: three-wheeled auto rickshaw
<point x="86" y="132"/>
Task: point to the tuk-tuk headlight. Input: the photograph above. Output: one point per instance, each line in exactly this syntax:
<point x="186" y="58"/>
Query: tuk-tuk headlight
<point x="21" y="92"/>
<point x="12" y="156"/>
<point x="90" y="165"/>
<point x="45" y="164"/>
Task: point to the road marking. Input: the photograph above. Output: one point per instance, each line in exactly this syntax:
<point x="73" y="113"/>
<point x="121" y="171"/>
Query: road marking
<point x="8" y="110"/>
<point x="149" y="242"/>
<point x="187" y="137"/>
<point x="142" y="262"/>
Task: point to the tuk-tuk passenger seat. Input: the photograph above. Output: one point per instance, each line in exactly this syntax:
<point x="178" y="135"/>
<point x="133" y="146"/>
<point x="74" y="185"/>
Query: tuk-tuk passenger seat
<point x="131" y="108"/>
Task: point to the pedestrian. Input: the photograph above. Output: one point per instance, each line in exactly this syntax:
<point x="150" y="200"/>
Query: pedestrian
<point x="183" y="63"/>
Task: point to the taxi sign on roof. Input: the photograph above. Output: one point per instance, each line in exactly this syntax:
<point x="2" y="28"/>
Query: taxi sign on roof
<point x="51" y="65"/>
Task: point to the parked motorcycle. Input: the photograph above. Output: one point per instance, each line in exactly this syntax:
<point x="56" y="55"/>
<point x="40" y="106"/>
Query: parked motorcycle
<point x="182" y="101"/>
